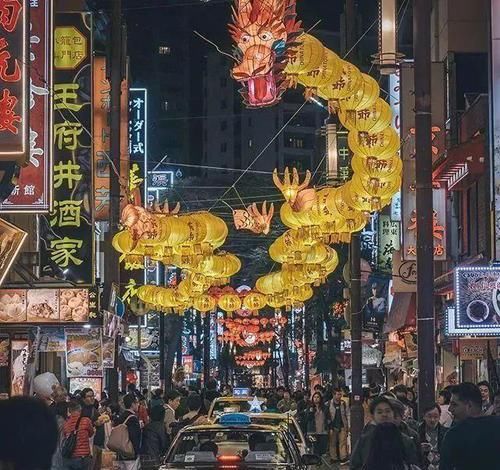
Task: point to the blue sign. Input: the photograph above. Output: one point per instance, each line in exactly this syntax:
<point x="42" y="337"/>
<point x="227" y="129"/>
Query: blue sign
<point x="235" y="419"/>
<point x="241" y="392"/>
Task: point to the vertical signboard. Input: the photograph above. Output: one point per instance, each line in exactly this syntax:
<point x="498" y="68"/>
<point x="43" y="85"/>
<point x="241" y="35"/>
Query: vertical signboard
<point x="409" y="214"/>
<point x="101" y="105"/>
<point x="495" y="118"/>
<point x="67" y="233"/>
<point x="14" y="81"/>
<point x="395" y="103"/>
<point x="137" y="131"/>
<point x="388" y="242"/>
<point x="33" y="192"/>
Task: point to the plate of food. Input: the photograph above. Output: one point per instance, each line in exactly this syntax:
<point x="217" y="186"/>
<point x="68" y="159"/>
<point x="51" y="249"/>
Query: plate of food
<point x="478" y="311"/>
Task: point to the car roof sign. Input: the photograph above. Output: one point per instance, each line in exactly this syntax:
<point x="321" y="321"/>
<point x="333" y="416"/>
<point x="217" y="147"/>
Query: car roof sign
<point x="235" y="419"/>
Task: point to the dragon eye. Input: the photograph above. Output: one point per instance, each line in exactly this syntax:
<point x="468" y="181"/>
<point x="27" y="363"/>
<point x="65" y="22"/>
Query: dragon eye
<point x="266" y="36"/>
<point x="245" y="38"/>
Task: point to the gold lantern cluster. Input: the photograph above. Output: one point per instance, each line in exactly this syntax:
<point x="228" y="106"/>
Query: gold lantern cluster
<point x="318" y="218"/>
<point x="186" y="241"/>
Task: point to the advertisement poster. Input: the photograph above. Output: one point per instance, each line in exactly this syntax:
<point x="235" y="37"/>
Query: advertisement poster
<point x="375" y="303"/>
<point x="108" y="352"/>
<point x="79" y="383"/>
<point x="52" y="340"/>
<point x="11" y="241"/>
<point x="48" y="305"/>
<point x="477" y="303"/>
<point x="84" y="353"/>
<point x="4" y="351"/>
<point x="67" y="233"/>
<point x="19" y="360"/>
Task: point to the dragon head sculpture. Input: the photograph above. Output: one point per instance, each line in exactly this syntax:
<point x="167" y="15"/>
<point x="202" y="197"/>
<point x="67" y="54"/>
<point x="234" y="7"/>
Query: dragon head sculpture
<point x="264" y="32"/>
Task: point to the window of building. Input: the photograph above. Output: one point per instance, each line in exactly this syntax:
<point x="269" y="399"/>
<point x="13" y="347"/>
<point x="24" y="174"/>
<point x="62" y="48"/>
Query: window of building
<point x="223" y="147"/>
<point x="223" y="125"/>
<point x="164" y="50"/>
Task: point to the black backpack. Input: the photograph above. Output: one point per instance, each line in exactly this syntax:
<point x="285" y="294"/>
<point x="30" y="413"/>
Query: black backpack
<point x="68" y="444"/>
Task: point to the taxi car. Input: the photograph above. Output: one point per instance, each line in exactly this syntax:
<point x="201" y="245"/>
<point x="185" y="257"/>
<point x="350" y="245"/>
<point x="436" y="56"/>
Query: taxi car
<point x="236" y="443"/>
<point x="283" y="420"/>
<point x="234" y="404"/>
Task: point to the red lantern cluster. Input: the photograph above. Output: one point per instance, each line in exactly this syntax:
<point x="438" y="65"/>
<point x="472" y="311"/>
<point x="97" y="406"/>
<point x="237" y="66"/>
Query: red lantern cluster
<point x="249" y="331"/>
<point x="253" y="358"/>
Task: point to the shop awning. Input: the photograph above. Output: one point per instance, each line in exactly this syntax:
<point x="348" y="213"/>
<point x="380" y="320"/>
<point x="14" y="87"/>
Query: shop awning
<point x="402" y="313"/>
<point x="462" y="165"/>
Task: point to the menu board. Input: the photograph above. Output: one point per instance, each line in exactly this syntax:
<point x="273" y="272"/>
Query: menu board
<point x="79" y="383"/>
<point x="84" y="353"/>
<point x="47" y="305"/>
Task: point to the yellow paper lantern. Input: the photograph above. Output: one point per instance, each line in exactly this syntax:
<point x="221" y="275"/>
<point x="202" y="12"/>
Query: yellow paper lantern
<point x="254" y="301"/>
<point x="364" y="97"/>
<point x="374" y="119"/>
<point x="377" y="168"/>
<point x="382" y="144"/>
<point x="347" y="84"/>
<point x="230" y="302"/>
<point x="204" y="303"/>
<point x="307" y="56"/>
<point x="328" y="72"/>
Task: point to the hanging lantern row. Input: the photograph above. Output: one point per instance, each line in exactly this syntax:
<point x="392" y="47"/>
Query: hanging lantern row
<point x="249" y="364"/>
<point x="253" y="355"/>
<point x="245" y="339"/>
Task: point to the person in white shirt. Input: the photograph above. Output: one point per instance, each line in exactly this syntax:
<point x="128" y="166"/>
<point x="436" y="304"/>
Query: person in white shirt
<point x="172" y="402"/>
<point x="446" y="418"/>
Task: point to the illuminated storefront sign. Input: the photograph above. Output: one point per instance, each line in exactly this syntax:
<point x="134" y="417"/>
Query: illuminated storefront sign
<point x="388" y="242"/>
<point x="159" y="181"/>
<point x="409" y="215"/>
<point x="137" y="130"/>
<point x="32" y="192"/>
<point x="477" y="302"/>
<point x="101" y="150"/>
<point x="14" y="83"/>
<point x="48" y="305"/>
<point x="67" y="233"/>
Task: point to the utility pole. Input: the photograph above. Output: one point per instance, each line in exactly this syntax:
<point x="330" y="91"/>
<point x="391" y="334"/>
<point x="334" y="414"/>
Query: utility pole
<point x="425" y="242"/>
<point x="206" y="347"/>
<point x="112" y="262"/>
<point x="357" y="412"/>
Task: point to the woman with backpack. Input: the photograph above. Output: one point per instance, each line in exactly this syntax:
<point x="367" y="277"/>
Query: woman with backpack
<point x="75" y="446"/>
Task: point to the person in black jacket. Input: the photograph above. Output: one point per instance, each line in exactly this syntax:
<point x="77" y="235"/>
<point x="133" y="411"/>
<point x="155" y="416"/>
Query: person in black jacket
<point x="431" y="435"/>
<point x="154" y="439"/>
<point x="131" y="405"/>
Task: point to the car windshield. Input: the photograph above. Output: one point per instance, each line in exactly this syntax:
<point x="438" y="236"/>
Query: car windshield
<point x="232" y="406"/>
<point x="287" y="424"/>
<point x="230" y="445"/>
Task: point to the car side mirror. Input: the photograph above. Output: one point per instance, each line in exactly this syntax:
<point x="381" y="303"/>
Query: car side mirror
<point x="310" y="459"/>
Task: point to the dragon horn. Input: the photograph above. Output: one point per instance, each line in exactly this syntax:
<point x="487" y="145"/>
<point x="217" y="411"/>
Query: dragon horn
<point x="271" y="211"/>
<point x="295" y="180"/>
<point x="276" y="180"/>
<point x="286" y="179"/>
<point x="306" y="182"/>
<point x="176" y="209"/>
<point x="264" y="209"/>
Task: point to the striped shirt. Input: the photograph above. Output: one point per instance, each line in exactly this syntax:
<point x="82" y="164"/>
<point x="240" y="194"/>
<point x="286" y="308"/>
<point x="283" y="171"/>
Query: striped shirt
<point x="85" y="432"/>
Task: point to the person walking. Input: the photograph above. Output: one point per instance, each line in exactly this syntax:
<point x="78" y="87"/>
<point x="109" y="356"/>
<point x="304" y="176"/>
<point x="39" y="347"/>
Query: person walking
<point x="431" y="435"/>
<point x="474" y="441"/>
<point x="318" y="422"/>
<point x="382" y="411"/>
<point x="81" y="457"/>
<point x="446" y="419"/>
<point x="339" y="428"/>
<point x="287" y="403"/>
<point x="130" y="419"/>
<point x="487" y="407"/>
<point x="173" y="400"/>
<point x="155" y="440"/>
<point x="388" y="451"/>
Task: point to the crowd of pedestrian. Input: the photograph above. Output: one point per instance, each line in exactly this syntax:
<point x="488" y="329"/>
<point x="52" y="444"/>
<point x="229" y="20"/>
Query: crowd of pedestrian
<point x="461" y="431"/>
